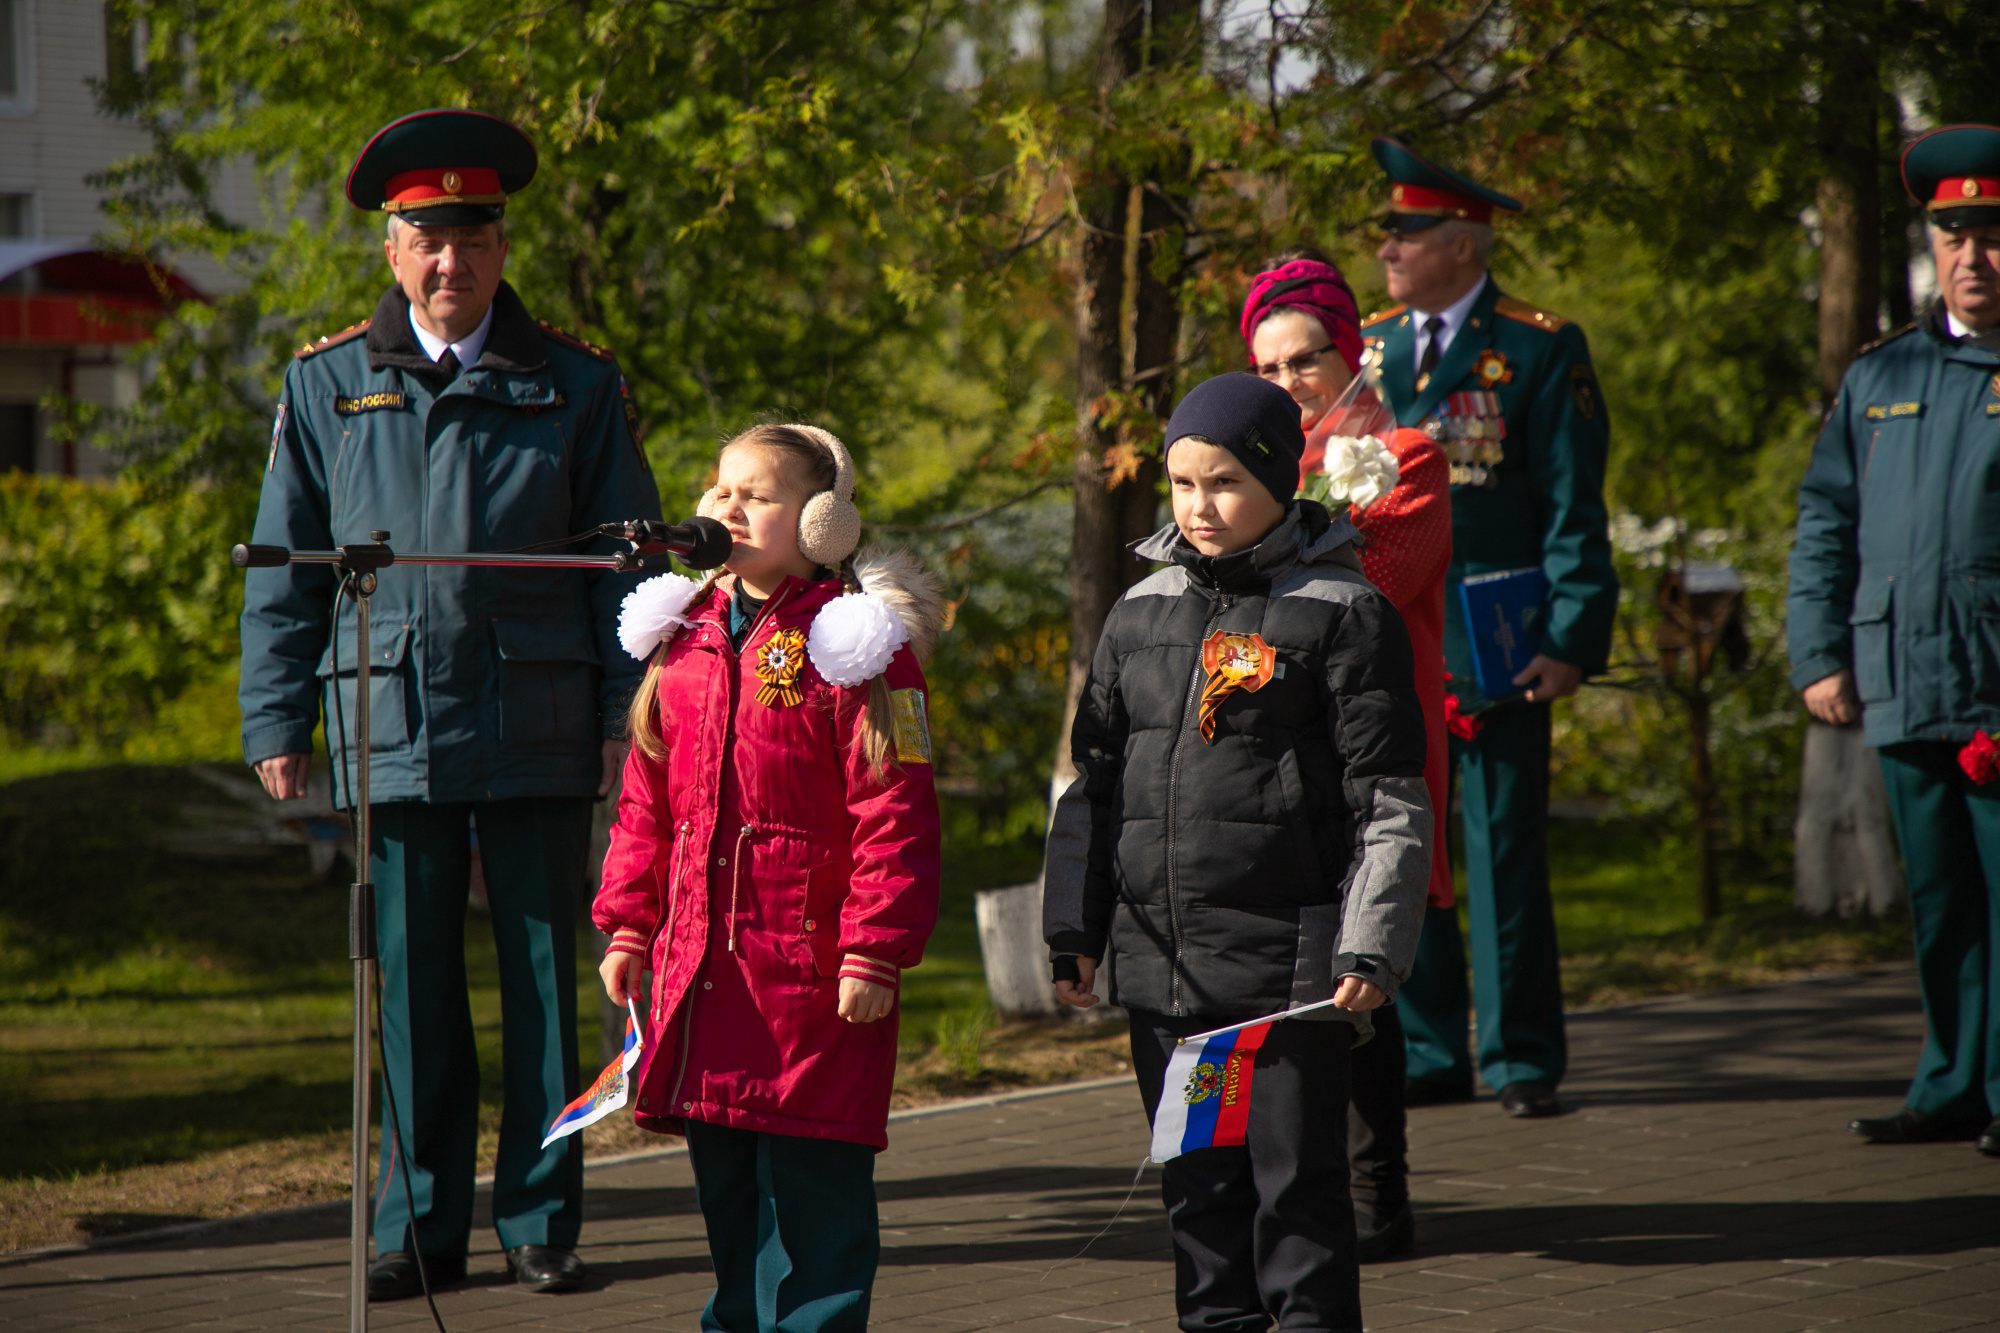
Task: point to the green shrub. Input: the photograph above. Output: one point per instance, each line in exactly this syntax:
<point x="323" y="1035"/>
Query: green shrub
<point x="115" y="600"/>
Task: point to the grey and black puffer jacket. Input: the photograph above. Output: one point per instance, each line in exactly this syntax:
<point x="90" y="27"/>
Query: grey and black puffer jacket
<point x="1246" y="875"/>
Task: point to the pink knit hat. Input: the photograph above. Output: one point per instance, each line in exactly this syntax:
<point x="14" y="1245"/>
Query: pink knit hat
<point x="1319" y="291"/>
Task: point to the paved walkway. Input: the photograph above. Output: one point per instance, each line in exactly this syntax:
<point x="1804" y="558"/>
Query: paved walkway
<point x="1702" y="1180"/>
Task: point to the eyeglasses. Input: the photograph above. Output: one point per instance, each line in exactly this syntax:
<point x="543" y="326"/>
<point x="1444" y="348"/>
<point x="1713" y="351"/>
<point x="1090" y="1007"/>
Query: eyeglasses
<point x="1303" y="365"/>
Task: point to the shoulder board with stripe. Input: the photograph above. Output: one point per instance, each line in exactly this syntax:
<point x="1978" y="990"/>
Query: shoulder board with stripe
<point x="1884" y="340"/>
<point x="347" y="334"/>
<point x="571" y="340"/>
<point x="1524" y="313"/>
<point x="1381" y="315"/>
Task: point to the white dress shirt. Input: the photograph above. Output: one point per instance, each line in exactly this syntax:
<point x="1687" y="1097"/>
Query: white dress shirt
<point x="1958" y="330"/>
<point x="1454" y="317"/>
<point x="467" y="349"/>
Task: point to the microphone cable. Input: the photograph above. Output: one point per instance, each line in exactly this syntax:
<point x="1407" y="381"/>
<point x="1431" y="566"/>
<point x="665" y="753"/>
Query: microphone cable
<point x="397" y="1153"/>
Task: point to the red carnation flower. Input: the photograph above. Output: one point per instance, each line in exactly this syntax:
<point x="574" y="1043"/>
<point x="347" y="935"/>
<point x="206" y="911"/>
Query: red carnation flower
<point x="1980" y="758"/>
<point x="1467" y="727"/>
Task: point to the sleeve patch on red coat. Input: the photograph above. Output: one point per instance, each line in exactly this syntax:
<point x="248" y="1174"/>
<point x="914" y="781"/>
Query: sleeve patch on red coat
<point x="913" y="728"/>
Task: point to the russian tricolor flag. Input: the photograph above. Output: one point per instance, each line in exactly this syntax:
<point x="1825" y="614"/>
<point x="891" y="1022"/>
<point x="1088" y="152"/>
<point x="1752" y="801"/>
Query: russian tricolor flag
<point x="1206" y="1101"/>
<point x="612" y="1089"/>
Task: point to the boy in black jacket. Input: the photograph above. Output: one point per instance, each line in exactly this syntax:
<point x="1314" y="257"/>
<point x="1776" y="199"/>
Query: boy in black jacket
<point x="1249" y="833"/>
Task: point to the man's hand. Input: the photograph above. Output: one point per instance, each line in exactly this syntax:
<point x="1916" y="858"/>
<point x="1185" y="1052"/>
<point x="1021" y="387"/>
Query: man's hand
<point x="1547" y="678"/>
<point x="614" y="764"/>
<point x="622" y="972"/>
<point x="1357" y="995"/>
<point x="1832" y="700"/>
<point x="284" y="776"/>
<point x="1079" y="994"/>
<point x="864" y="1001"/>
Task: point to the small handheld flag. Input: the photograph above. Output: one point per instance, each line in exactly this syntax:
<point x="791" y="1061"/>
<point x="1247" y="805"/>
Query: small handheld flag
<point x="612" y="1089"/>
<point x="1206" y="1102"/>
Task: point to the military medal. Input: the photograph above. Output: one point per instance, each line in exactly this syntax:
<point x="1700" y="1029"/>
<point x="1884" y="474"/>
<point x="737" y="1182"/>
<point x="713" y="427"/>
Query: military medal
<point x="1233" y="662"/>
<point x="1470" y="427"/>
<point x="779" y="662"/>
<point x="1492" y="369"/>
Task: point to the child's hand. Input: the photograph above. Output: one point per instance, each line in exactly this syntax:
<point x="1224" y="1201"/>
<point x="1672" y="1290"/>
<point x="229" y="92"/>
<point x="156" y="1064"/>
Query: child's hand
<point x="621" y="972"/>
<point x="1079" y="993"/>
<point x="1356" y="994"/>
<point x="864" y="1001"/>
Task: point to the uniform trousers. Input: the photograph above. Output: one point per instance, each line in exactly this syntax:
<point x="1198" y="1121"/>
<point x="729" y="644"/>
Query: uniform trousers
<point x="1263" y="1231"/>
<point x="1516" y="969"/>
<point x="420" y="856"/>
<point x="1949" y="829"/>
<point x="792" y="1229"/>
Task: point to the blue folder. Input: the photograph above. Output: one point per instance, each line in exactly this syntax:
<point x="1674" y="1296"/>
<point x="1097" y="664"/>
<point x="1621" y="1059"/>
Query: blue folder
<point x="1504" y="614"/>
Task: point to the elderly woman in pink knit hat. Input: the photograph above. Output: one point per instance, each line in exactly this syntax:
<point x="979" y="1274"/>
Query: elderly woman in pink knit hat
<point x="1304" y="333"/>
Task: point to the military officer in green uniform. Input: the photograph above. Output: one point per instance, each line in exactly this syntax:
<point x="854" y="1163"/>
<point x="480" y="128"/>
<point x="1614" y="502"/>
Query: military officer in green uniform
<point x="1894" y="620"/>
<point x="1508" y="391"/>
<point x="455" y="421"/>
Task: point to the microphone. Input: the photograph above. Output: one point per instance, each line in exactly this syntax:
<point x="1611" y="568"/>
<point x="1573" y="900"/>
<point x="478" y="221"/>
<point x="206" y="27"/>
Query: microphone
<point x="700" y="543"/>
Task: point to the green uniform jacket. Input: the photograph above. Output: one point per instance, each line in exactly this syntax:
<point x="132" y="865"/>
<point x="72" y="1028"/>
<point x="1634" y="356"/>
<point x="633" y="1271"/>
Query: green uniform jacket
<point x="1896" y="570"/>
<point x="485" y="684"/>
<point x="1542" y="502"/>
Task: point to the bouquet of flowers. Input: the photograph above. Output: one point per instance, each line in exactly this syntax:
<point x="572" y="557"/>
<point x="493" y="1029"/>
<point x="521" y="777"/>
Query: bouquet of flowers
<point x="1358" y="471"/>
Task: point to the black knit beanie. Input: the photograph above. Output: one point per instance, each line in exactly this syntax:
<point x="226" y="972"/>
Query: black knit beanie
<point x="1253" y="419"/>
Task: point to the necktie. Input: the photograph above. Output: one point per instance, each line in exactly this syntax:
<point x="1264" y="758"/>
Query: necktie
<point x="1433" y="351"/>
<point x="448" y="366"/>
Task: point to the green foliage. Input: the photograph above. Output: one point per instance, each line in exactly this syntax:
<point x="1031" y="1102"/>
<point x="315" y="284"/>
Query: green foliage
<point x="961" y="1039"/>
<point x="113" y="602"/>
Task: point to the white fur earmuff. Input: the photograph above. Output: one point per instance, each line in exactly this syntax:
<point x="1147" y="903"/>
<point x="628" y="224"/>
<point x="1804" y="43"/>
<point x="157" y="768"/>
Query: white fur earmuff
<point x="830" y="525"/>
<point x="652" y="611"/>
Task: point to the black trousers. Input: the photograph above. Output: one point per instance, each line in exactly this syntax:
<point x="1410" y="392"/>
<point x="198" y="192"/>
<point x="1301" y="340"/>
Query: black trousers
<point x="1378" y="1142"/>
<point x="1263" y="1232"/>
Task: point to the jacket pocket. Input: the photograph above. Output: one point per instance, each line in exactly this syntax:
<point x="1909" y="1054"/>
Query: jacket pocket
<point x="388" y="710"/>
<point x="826" y="894"/>
<point x="548" y="686"/>
<point x="798" y="894"/>
<point x="1298" y="815"/>
<point x="1873" y="627"/>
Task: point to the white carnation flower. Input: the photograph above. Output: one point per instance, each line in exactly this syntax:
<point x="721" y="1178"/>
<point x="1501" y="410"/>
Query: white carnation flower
<point x="652" y="611"/>
<point x="1359" y="471"/>
<point x="852" y="639"/>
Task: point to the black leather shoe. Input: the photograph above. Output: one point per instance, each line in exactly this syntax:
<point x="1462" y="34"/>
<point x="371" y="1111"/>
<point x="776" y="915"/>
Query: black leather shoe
<point x="545" y="1268"/>
<point x="1382" y="1238"/>
<point x="1907" y="1126"/>
<point x="1989" y="1142"/>
<point x="1435" y="1092"/>
<point x="1529" y="1101"/>
<point x="393" y="1277"/>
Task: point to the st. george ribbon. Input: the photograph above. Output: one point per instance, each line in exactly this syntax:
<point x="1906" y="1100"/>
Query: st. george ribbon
<point x="699" y="543"/>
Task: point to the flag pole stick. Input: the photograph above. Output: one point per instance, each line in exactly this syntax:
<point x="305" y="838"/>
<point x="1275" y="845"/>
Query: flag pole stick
<point x="1253" y="1022"/>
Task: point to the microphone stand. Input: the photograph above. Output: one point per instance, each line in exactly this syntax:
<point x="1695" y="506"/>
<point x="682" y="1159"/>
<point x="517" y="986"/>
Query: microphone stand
<point x="359" y="562"/>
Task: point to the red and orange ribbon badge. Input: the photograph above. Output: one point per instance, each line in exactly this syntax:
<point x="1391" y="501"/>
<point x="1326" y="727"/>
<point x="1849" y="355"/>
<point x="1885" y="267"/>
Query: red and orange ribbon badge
<point x="779" y="662"/>
<point x="1493" y="369"/>
<point x="1233" y="662"/>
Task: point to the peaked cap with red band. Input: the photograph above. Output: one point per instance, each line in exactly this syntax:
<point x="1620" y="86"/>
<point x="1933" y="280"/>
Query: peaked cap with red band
<point x="442" y="168"/>
<point x="1955" y="174"/>
<point x="1423" y="194"/>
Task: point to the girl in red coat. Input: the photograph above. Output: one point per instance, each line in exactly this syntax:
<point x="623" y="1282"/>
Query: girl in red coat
<point x="775" y="867"/>
<point x="1303" y="331"/>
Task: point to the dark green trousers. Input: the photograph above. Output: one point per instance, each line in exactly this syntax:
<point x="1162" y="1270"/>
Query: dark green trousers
<point x="532" y="853"/>
<point x="1950" y="834"/>
<point x="792" y="1229"/>
<point x="1516" y="969"/>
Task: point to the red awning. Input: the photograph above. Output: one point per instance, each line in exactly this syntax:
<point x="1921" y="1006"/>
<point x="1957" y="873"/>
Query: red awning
<point x="66" y="293"/>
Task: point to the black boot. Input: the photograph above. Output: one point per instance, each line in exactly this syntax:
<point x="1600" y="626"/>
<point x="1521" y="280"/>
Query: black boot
<point x="1907" y="1126"/>
<point x="1383" y="1234"/>
<point x="394" y="1277"/>
<point x="545" y="1268"/>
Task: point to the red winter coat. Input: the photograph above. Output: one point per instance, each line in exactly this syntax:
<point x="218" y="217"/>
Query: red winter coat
<point x="757" y="863"/>
<point x="1408" y="550"/>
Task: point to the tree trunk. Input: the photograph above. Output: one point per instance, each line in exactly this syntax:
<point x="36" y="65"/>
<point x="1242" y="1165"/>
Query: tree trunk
<point x="1849" y="197"/>
<point x="1127" y="326"/>
<point x="1708" y="876"/>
